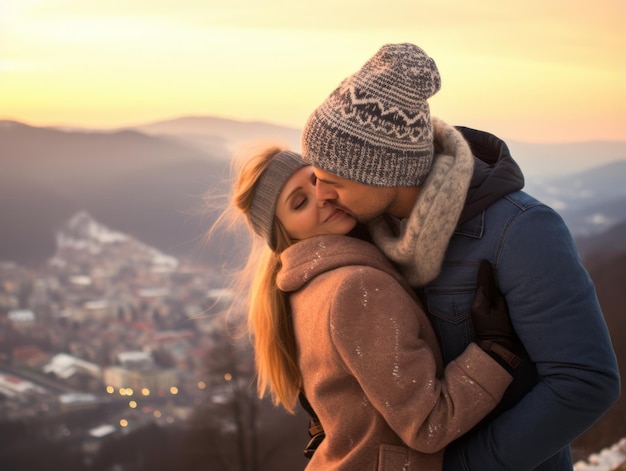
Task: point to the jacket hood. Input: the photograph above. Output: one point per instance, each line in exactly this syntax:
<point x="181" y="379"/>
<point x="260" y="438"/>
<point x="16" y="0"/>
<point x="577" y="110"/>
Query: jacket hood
<point x="496" y="174"/>
<point x="308" y="258"/>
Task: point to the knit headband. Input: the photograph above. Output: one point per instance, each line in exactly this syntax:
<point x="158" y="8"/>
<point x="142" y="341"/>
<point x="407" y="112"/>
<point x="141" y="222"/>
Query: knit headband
<point x="268" y="187"/>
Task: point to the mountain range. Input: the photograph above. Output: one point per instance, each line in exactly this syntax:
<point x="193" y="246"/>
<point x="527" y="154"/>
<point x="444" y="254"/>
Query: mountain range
<point x="147" y="186"/>
<point x="150" y="181"/>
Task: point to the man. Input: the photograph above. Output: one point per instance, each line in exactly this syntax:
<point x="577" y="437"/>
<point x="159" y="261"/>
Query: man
<point x="438" y="200"/>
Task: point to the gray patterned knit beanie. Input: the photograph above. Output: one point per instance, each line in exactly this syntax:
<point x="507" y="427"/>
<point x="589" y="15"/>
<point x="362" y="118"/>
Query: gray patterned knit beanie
<point x="375" y="128"/>
<point x="267" y="189"/>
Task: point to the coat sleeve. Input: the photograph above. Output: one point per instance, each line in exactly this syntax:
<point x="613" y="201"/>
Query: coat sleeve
<point x="555" y="312"/>
<point x="376" y="329"/>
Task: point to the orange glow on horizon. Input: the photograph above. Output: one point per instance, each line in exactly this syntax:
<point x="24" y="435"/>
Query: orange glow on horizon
<point x="534" y="71"/>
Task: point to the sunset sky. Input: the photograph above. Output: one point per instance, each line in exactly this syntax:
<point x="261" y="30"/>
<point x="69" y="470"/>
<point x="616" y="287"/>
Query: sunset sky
<point x="532" y="70"/>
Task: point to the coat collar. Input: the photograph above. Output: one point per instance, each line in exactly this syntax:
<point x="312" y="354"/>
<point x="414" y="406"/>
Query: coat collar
<point x="309" y="258"/>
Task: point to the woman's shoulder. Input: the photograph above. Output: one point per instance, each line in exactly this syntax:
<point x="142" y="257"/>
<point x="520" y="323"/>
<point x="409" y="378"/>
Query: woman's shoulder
<point x="310" y="258"/>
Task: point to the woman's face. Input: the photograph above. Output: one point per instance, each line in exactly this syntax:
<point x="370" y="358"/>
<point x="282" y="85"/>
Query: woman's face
<point x="303" y="215"/>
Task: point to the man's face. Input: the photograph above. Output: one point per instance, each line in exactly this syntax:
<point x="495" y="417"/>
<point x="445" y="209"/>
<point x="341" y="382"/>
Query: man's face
<point x="365" y="203"/>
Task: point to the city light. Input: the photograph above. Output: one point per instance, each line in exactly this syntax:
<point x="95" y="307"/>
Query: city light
<point x="110" y="389"/>
<point x="123" y="423"/>
<point x="132" y="404"/>
<point x="173" y="390"/>
<point x="145" y="392"/>
<point x="228" y="376"/>
<point x="201" y="385"/>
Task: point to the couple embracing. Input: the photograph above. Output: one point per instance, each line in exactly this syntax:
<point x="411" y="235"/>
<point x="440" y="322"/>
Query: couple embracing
<point x="427" y="311"/>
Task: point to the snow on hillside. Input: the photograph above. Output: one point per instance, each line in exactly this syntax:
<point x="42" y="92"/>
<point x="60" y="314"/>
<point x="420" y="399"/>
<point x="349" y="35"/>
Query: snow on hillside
<point x="606" y="460"/>
<point x="83" y="233"/>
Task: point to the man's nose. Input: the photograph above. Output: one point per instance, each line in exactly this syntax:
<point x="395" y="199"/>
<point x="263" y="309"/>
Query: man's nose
<point x="324" y="192"/>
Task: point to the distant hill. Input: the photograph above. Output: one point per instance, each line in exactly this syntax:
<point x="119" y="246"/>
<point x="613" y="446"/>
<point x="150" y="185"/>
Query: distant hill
<point x="606" y="244"/>
<point x="539" y="160"/>
<point x="148" y="181"/>
<point x="146" y="186"/>
<point x="590" y="201"/>
<point x="52" y="156"/>
<point x="206" y="132"/>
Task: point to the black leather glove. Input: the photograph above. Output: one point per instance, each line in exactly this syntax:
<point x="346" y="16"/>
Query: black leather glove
<point x="492" y="324"/>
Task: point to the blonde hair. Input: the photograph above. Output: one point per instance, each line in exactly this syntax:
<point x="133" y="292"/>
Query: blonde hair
<point x="268" y="312"/>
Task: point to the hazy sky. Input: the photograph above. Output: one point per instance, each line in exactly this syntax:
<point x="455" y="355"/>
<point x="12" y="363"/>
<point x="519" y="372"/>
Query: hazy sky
<point x="531" y="70"/>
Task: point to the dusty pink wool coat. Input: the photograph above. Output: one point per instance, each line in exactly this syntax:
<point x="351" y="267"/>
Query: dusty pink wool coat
<point x="371" y="364"/>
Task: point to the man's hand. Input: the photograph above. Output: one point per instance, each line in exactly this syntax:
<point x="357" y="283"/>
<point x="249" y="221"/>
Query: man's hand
<point x="490" y="316"/>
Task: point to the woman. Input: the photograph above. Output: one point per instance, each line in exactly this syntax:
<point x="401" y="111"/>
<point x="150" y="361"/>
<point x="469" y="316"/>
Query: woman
<point x="331" y="318"/>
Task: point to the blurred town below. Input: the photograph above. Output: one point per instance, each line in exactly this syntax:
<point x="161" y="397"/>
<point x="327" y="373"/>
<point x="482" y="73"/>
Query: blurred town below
<point x="114" y="356"/>
<point x="119" y="345"/>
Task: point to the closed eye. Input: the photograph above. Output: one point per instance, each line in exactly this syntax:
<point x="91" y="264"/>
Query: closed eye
<point x="299" y="203"/>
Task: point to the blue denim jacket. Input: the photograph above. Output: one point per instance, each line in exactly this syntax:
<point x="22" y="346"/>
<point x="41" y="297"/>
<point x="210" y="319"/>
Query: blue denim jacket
<point x="572" y="376"/>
